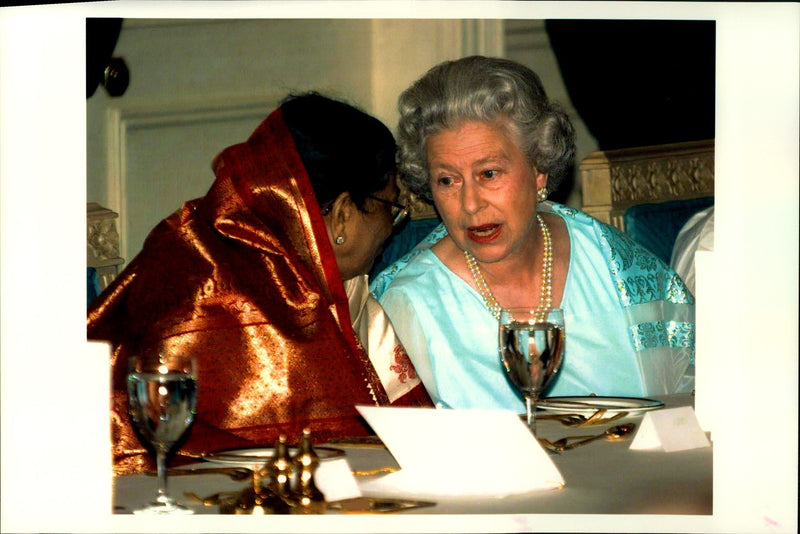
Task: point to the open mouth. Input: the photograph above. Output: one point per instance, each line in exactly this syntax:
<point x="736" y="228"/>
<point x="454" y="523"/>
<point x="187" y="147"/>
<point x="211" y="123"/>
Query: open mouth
<point x="484" y="232"/>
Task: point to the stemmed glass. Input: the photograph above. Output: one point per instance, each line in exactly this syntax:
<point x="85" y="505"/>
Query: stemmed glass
<point x="162" y="399"/>
<point x="531" y="345"/>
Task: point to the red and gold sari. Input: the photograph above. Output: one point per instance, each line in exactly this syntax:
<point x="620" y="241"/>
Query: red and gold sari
<point x="245" y="279"/>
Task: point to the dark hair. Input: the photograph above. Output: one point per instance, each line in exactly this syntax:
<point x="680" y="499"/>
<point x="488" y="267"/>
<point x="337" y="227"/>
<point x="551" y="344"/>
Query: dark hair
<point x="483" y="89"/>
<point x="342" y="148"/>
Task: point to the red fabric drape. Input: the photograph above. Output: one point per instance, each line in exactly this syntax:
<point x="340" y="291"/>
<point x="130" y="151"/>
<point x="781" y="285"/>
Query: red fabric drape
<point x="245" y="280"/>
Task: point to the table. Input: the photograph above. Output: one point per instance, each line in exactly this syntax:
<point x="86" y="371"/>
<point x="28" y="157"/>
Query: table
<point x="603" y="477"/>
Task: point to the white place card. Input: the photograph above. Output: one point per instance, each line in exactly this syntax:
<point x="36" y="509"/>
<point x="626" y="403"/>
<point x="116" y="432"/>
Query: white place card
<point x="335" y="480"/>
<point x="448" y="452"/>
<point x="670" y="430"/>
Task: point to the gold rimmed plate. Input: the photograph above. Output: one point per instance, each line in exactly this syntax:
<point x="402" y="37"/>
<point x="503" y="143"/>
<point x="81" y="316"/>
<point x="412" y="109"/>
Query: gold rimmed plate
<point x="255" y="458"/>
<point x="590" y="405"/>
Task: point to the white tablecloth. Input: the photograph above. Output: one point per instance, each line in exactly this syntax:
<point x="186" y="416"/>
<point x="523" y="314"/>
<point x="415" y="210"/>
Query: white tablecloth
<point x="603" y="477"/>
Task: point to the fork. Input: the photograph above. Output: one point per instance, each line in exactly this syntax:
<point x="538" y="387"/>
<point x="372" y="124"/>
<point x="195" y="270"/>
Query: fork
<point x="614" y="433"/>
<point x="576" y="420"/>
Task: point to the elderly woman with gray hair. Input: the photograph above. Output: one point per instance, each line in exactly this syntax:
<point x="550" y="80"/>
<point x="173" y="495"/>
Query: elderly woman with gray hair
<point x="479" y="138"/>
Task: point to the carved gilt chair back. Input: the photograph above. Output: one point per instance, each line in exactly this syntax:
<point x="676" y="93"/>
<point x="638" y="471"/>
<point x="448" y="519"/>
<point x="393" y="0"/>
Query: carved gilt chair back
<point x="615" y="180"/>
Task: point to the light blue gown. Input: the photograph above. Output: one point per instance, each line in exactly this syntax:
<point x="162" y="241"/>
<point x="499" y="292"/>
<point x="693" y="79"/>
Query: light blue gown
<point x="629" y="323"/>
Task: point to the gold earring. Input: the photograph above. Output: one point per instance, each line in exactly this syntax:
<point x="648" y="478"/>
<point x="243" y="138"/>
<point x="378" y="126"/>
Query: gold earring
<point x="541" y="194"/>
<point x="339" y="240"/>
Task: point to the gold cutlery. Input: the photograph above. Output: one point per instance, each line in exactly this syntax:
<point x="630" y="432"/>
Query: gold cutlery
<point x="211" y="500"/>
<point x="372" y="505"/>
<point x="615" y="433"/>
<point x="577" y="420"/>
<point x="356" y="505"/>
<point x="371" y="472"/>
<point x="358" y="441"/>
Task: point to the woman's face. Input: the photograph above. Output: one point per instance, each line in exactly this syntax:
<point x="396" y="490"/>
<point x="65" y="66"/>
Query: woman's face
<point x="484" y="188"/>
<point x="364" y="232"/>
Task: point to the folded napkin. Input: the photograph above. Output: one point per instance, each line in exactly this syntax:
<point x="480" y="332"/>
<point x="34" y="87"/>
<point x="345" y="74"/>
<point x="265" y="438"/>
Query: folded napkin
<point x="444" y="452"/>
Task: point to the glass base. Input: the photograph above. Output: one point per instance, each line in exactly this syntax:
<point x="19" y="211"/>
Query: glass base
<point x="165" y="507"/>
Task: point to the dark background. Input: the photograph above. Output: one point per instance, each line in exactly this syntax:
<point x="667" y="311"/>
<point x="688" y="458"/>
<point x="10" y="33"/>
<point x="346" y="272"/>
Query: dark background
<point x="639" y="82"/>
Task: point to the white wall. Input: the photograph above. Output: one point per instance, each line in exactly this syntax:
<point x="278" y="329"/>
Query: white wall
<point x="197" y="87"/>
<point x="404" y="49"/>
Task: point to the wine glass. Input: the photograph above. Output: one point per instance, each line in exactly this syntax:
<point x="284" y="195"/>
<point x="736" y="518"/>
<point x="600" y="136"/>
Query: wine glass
<point x="162" y="400"/>
<point x="531" y="344"/>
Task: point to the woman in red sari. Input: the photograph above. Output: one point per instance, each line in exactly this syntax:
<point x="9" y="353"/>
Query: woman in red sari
<point x="249" y="280"/>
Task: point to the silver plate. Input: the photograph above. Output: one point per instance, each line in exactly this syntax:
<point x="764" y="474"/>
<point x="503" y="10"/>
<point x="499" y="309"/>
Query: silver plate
<point x="590" y="405"/>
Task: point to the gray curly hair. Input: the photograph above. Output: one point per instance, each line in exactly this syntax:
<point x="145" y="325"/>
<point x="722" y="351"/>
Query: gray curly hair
<point x="482" y="89"/>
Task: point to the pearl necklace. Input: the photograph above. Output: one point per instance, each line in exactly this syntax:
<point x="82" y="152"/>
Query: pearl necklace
<point x="546" y="297"/>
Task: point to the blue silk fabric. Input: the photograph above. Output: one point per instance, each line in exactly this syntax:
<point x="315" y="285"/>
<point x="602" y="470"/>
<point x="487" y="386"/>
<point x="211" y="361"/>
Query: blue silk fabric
<point x="629" y="322"/>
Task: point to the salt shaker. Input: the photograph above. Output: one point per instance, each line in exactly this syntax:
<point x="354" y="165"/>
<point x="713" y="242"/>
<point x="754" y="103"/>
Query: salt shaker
<point x="305" y="463"/>
<point x="278" y="470"/>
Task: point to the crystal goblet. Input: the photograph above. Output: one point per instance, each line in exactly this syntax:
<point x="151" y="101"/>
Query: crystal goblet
<point x="531" y="345"/>
<point x="162" y="401"/>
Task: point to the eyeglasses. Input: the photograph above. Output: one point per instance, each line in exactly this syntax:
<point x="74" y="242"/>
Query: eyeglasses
<point x="399" y="211"/>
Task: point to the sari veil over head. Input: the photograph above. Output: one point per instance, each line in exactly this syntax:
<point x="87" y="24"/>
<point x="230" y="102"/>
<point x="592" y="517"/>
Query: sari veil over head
<point x="244" y="279"/>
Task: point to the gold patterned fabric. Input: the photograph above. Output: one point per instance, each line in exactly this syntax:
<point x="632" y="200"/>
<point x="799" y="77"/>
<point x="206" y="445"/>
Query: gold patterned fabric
<point x="244" y="279"/>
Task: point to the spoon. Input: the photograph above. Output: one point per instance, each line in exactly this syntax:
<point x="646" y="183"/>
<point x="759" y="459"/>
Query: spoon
<point x="211" y="500"/>
<point x="615" y="433"/>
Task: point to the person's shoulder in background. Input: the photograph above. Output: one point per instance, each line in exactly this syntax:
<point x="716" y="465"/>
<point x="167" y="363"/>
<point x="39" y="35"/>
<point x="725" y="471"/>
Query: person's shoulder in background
<point x="696" y="234"/>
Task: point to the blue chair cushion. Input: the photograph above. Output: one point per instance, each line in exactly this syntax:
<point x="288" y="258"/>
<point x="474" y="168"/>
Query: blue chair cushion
<point x="92" y="285"/>
<point x="657" y="225"/>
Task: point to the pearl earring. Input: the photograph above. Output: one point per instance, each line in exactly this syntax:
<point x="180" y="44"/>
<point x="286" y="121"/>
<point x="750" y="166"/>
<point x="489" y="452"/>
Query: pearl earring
<point x="541" y="194"/>
<point x="339" y="240"/>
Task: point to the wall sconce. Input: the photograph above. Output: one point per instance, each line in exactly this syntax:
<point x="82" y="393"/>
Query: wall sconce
<point x="116" y="77"/>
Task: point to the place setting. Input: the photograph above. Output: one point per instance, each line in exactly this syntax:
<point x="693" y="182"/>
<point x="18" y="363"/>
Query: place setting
<point x="300" y="479"/>
<point x="418" y="458"/>
<point x="284" y="479"/>
<point x="531" y="346"/>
